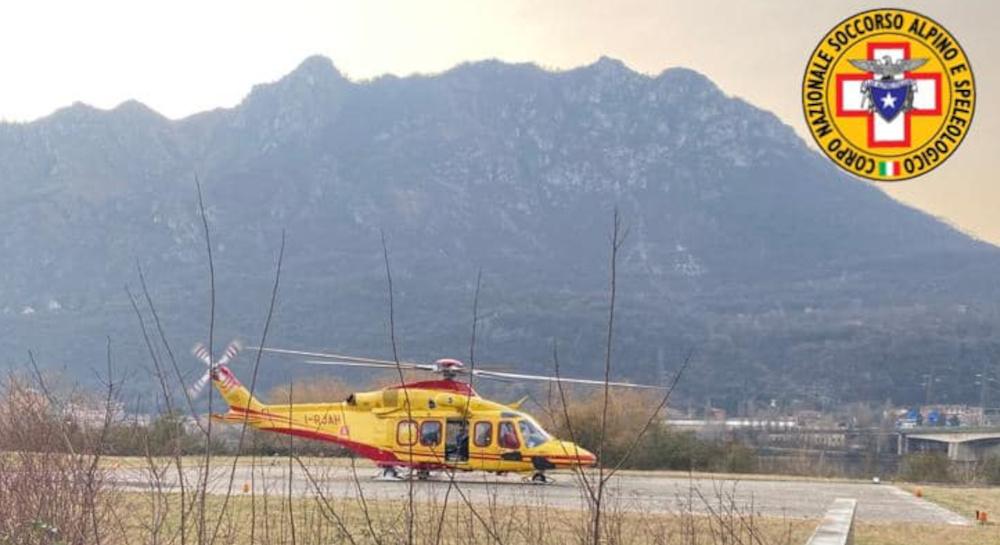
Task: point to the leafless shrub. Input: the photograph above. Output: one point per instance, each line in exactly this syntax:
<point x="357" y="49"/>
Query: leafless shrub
<point x="52" y="488"/>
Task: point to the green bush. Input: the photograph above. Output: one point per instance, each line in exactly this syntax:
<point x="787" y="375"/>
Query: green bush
<point x="989" y="470"/>
<point x="736" y="458"/>
<point x="660" y="446"/>
<point x="926" y="467"/>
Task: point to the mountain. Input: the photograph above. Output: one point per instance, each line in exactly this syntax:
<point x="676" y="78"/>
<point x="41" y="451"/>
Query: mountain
<point x="790" y="280"/>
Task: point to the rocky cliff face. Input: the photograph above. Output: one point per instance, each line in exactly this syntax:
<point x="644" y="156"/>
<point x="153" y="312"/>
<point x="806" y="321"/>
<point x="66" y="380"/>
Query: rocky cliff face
<point x="787" y="276"/>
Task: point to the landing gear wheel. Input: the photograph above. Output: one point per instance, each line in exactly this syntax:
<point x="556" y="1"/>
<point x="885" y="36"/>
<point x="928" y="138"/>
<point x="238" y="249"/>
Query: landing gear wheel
<point x="423" y="474"/>
<point x="541" y="478"/>
<point x="388" y="473"/>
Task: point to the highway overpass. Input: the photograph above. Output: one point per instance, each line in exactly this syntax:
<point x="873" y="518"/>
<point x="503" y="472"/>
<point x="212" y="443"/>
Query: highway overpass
<point x="961" y="444"/>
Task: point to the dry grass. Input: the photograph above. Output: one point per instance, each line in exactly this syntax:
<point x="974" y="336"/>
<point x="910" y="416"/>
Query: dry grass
<point x="964" y="500"/>
<point x="924" y="534"/>
<point x="531" y="523"/>
<point x="528" y="524"/>
<point x="513" y="525"/>
<point x="137" y="516"/>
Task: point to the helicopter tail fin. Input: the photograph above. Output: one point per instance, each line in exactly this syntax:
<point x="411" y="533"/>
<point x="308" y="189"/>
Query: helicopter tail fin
<point x="235" y="394"/>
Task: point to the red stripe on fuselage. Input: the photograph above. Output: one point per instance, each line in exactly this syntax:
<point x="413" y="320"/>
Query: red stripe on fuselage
<point x="368" y="451"/>
<point x="261" y="414"/>
<point x="440" y="386"/>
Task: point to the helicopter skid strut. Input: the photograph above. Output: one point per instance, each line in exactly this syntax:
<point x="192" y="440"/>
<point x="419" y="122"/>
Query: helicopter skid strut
<point x="391" y="473"/>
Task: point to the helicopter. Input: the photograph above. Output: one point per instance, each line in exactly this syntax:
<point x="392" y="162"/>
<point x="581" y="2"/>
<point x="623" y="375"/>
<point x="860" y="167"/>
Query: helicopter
<point x="423" y="426"/>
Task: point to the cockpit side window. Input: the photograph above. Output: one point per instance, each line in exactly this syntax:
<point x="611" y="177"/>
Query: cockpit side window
<point x="483" y="436"/>
<point x="506" y="436"/>
<point x="533" y="435"/>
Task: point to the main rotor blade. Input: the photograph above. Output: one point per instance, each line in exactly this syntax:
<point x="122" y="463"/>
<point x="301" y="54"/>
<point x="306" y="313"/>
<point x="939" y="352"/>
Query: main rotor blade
<point x="406" y="366"/>
<point x="327" y="355"/>
<point x="541" y="378"/>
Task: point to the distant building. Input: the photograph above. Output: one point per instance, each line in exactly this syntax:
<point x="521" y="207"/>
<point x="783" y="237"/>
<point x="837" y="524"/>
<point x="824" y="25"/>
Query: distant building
<point x="942" y="415"/>
<point x="93" y="415"/>
<point x="735" y="423"/>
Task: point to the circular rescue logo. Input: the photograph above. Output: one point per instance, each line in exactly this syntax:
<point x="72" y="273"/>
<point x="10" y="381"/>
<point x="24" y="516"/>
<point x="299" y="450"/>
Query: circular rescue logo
<point x="888" y="94"/>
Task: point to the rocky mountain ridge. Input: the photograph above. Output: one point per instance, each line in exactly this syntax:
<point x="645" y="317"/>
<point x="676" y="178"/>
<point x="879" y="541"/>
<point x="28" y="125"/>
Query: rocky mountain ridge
<point x="786" y="276"/>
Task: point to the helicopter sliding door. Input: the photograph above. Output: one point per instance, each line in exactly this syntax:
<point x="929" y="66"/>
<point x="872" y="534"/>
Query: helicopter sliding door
<point x="456" y="449"/>
<point x="482" y="450"/>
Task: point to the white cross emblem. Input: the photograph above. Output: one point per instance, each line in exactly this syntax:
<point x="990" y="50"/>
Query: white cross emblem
<point x="882" y="133"/>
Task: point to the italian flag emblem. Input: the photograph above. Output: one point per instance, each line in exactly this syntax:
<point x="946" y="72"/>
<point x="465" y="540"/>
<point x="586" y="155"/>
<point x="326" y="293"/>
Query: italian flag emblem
<point x="888" y="169"/>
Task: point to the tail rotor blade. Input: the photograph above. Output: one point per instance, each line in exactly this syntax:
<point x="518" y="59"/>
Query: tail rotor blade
<point x="197" y="387"/>
<point x="199" y="351"/>
<point x="230" y="354"/>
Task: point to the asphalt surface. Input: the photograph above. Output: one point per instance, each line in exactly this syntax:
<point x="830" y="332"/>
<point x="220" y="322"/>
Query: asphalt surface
<point x="634" y="491"/>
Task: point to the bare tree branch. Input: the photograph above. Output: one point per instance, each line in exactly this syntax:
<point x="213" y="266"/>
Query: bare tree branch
<point x="617" y="239"/>
<point x="166" y="344"/>
<point x="580" y="473"/>
<point x="291" y="458"/>
<point x="468" y="399"/>
<point x="410" y="519"/>
<point x="178" y="463"/>
<point x="211" y="357"/>
<point x="652" y="417"/>
<point x="253" y="382"/>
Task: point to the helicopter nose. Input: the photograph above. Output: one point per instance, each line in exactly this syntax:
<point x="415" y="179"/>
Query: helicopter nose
<point x="575" y="455"/>
<point x="585" y="457"/>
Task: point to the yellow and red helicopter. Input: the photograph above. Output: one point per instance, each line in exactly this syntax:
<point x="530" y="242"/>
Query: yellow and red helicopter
<point x="440" y="424"/>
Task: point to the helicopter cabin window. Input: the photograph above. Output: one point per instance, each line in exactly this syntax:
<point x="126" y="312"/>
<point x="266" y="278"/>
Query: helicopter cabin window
<point x="506" y="435"/>
<point x="406" y="433"/>
<point x="430" y="433"/>
<point x="533" y="434"/>
<point x="483" y="434"/>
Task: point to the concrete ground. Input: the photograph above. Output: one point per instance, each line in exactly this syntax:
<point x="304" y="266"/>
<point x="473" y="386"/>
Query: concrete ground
<point x="637" y="491"/>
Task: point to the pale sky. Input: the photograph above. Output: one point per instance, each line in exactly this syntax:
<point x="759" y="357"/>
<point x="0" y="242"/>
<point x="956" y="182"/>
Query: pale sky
<point x="182" y="56"/>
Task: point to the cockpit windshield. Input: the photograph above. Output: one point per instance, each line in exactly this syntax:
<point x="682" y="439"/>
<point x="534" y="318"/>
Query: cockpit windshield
<point x="532" y="433"/>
